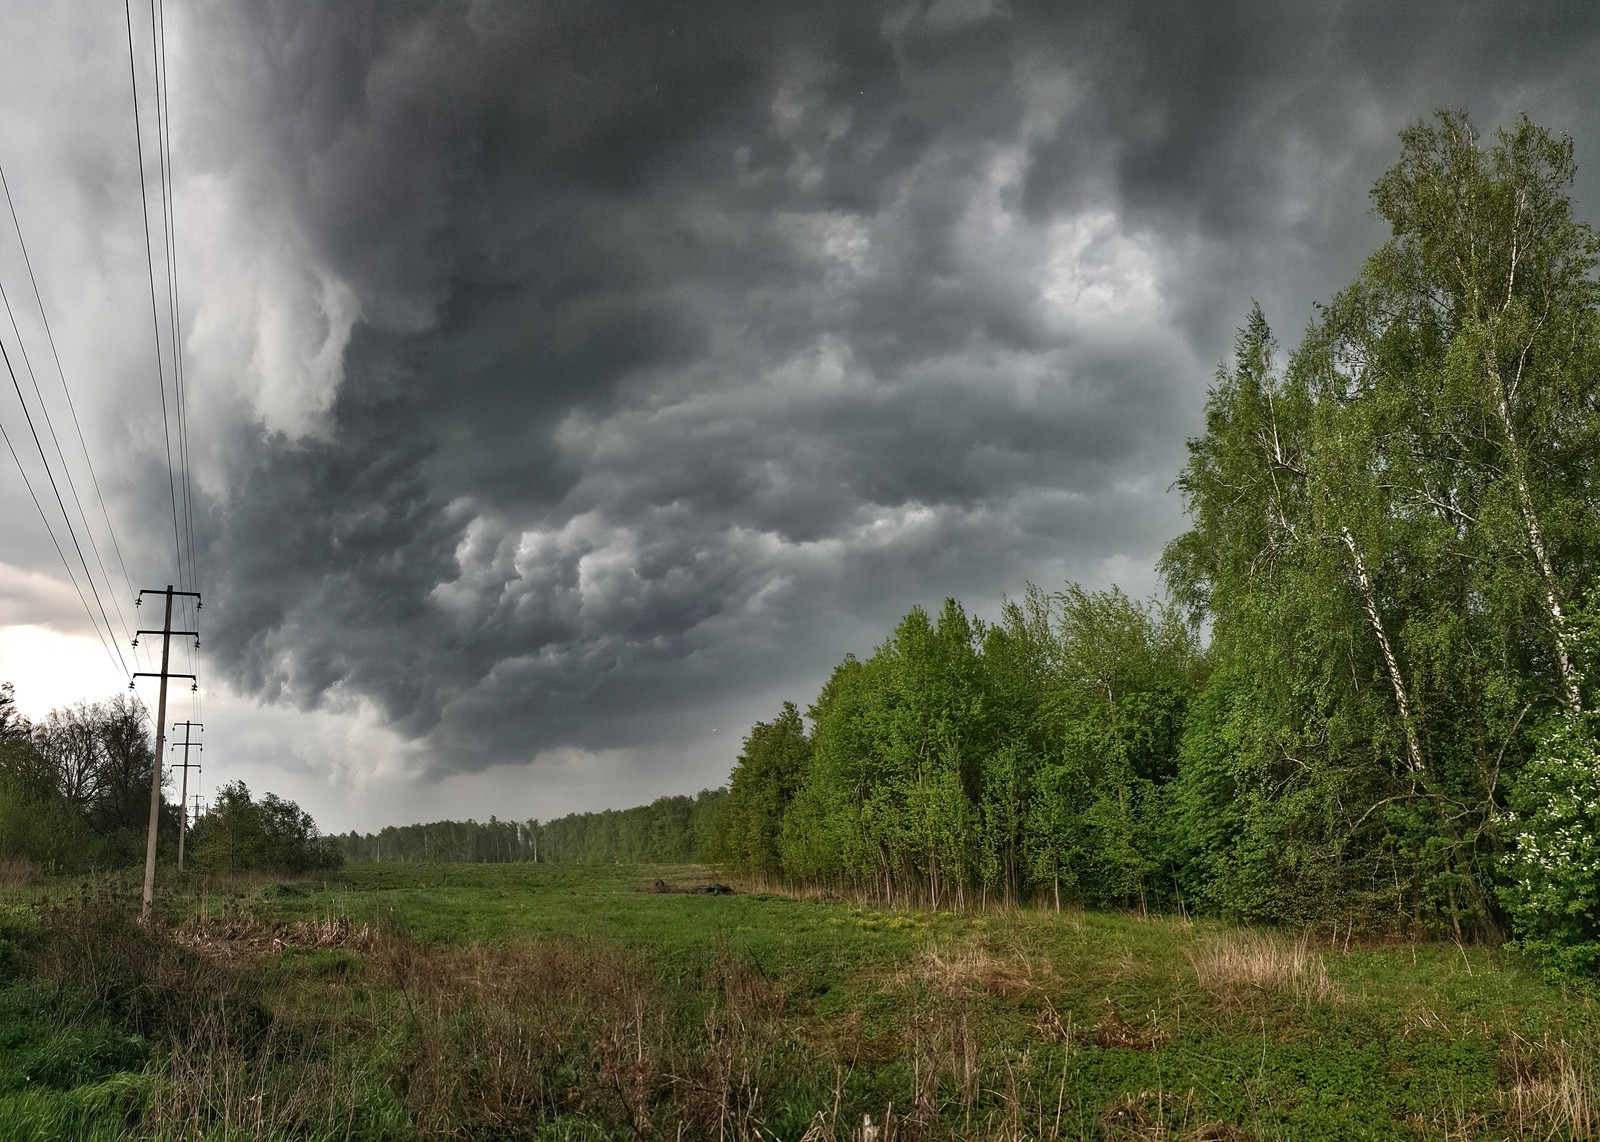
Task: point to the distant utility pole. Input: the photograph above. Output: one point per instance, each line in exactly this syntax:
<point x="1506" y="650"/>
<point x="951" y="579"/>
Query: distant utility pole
<point x="198" y="801"/>
<point x="166" y="632"/>
<point x="183" y="797"/>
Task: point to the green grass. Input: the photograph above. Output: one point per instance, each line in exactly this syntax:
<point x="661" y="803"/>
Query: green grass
<point x="558" y="1001"/>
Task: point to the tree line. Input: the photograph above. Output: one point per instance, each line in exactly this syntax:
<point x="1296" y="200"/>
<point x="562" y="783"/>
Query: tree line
<point x="669" y="830"/>
<point x="75" y="786"/>
<point x="1392" y="547"/>
<point x="75" y="796"/>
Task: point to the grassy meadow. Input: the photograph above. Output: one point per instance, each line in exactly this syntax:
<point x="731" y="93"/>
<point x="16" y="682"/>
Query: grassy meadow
<point x="564" y="1002"/>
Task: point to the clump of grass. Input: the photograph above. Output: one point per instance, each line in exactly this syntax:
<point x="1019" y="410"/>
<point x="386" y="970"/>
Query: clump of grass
<point x="228" y="1062"/>
<point x="1548" y="1088"/>
<point x="1238" y="965"/>
<point x="1115" y="1031"/>
<point x="18" y="872"/>
<point x="245" y="935"/>
<point x="103" y="963"/>
<point x="556" y="1030"/>
<point x="973" y="966"/>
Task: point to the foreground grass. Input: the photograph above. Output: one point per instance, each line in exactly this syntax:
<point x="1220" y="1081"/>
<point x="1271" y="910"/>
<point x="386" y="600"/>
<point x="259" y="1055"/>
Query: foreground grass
<point x="525" y="1001"/>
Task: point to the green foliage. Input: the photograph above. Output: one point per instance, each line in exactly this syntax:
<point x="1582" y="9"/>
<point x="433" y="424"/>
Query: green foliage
<point x="238" y="834"/>
<point x="963" y="760"/>
<point x="36" y="824"/>
<point x="1387" y="532"/>
<point x="1554" y="867"/>
<point x="1552" y="886"/>
<point x="668" y="829"/>
<point x="764" y="781"/>
<point x="75" y="786"/>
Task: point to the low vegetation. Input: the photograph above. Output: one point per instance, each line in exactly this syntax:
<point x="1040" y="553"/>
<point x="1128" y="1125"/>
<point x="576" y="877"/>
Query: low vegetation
<point x="547" y="1001"/>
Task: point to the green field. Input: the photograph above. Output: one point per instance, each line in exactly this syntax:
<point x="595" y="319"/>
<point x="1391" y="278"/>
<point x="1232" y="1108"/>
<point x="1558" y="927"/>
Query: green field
<point x="549" y="1001"/>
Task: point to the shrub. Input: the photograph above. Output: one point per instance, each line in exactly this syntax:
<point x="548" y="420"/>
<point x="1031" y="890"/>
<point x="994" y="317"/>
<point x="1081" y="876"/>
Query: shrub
<point x="1554" y="892"/>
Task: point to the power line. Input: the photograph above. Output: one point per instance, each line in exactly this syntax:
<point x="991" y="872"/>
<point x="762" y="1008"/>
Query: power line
<point x="155" y="320"/>
<point x="66" y="469"/>
<point x="65" y="518"/>
<point x="169" y="224"/>
<point x="6" y="436"/>
<point x="65" y="388"/>
<point x="158" y="47"/>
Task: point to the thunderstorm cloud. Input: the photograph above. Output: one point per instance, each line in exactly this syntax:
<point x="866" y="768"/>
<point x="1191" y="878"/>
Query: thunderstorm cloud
<point x="576" y="377"/>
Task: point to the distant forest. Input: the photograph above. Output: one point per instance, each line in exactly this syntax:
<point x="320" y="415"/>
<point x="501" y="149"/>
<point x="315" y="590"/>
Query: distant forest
<point x="1368" y="695"/>
<point x="670" y="830"/>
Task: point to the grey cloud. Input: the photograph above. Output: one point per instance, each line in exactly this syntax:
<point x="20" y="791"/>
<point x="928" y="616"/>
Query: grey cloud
<point x="697" y="342"/>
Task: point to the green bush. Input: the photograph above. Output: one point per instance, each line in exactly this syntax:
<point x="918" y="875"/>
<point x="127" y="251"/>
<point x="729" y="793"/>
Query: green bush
<point x="1554" y="892"/>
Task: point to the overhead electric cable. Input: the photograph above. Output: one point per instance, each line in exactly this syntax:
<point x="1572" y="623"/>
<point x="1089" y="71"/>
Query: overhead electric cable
<point x="116" y="660"/>
<point x="155" y="320"/>
<point x="66" y="469"/>
<point x="158" y="48"/>
<point x="169" y="224"/>
<point x="53" y="487"/>
<point x="65" y="388"/>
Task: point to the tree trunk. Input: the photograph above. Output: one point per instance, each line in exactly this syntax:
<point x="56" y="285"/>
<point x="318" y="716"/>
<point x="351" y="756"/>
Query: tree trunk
<point x="1369" y="602"/>
<point x="1541" y="556"/>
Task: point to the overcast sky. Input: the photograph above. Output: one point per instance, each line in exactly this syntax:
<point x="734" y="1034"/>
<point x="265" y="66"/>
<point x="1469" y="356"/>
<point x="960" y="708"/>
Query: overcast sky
<point x="569" y="384"/>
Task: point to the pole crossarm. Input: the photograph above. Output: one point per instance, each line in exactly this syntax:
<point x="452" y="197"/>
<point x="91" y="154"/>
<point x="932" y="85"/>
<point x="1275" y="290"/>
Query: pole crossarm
<point x="166" y="632"/>
<point x="186" y="765"/>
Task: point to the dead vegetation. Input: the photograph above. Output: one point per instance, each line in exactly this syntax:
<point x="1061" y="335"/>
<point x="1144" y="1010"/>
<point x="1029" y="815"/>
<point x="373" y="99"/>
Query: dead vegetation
<point x="1115" y="1031"/>
<point x="1162" y="1116"/>
<point x="18" y="872"/>
<point x="974" y="966"/>
<point x="1238" y="966"/>
<point x="246" y="935"/>
<point x="1547" y="1089"/>
<point x="710" y="888"/>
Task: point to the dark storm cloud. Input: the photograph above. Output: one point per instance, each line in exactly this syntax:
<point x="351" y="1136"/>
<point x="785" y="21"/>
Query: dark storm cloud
<point x="689" y="344"/>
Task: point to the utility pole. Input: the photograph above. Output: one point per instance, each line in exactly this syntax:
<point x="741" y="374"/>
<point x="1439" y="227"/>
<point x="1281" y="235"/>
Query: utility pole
<point x="198" y="802"/>
<point x="166" y="632"/>
<point x="183" y="797"/>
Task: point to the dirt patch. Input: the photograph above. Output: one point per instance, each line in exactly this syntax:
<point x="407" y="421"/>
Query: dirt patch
<point x="661" y="887"/>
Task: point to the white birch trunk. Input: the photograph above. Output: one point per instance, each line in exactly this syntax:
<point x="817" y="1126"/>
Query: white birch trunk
<point x="1369" y="602"/>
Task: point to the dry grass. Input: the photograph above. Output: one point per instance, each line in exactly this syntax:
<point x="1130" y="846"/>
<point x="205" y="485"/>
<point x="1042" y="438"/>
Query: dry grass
<point x="244" y="935"/>
<point x="1240" y="965"/>
<point x="18" y="872"/>
<point x="1161" y="1116"/>
<point x="976" y="967"/>
<point x="1547" y="1089"/>
<point x="505" y="1035"/>
<point x="1115" y="1031"/>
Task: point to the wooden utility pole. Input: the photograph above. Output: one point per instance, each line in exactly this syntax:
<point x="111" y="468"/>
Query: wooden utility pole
<point x="183" y="797"/>
<point x="166" y="632"/>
